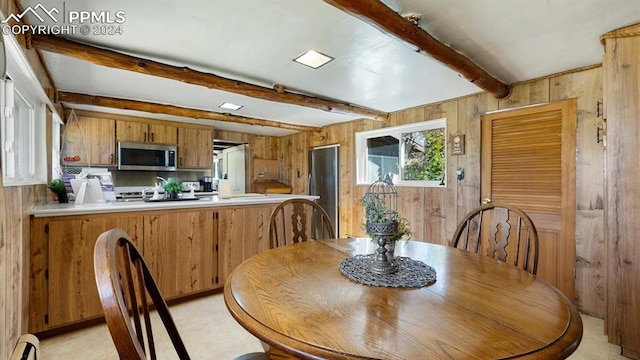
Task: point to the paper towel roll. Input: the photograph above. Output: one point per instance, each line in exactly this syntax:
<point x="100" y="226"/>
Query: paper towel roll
<point x="224" y="189"/>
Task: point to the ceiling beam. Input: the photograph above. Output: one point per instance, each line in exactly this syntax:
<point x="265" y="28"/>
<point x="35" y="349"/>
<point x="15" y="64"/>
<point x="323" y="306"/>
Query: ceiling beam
<point x="113" y="59"/>
<point x="376" y="13"/>
<point x="126" y="104"/>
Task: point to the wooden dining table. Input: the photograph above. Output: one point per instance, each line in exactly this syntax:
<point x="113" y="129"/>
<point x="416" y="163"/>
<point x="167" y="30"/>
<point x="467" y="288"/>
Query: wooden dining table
<point x="296" y="299"/>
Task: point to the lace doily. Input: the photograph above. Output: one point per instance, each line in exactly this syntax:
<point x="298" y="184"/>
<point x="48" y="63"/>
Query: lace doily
<point x="410" y="273"/>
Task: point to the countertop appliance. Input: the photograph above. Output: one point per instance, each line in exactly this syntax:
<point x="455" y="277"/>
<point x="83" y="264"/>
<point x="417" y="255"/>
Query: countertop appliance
<point x="143" y="156"/>
<point x="207" y="183"/>
<point x="323" y="181"/>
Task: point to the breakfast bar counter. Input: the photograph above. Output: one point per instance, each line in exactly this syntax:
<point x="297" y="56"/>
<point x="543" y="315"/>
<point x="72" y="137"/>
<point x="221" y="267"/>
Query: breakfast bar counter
<point x="190" y="245"/>
<point x="139" y="205"/>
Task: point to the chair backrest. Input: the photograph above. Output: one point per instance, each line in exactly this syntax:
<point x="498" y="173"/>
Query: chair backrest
<point x="297" y="220"/>
<point x="27" y="348"/>
<point x="124" y="281"/>
<point x="501" y="231"/>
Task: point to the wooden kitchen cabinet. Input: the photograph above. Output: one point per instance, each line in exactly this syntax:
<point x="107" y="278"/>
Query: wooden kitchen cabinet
<point x="180" y="250"/>
<point x="188" y="250"/>
<point x="179" y="247"/>
<point x="91" y="139"/>
<point x="63" y="288"/>
<point x="242" y="233"/>
<point x="195" y="147"/>
<point x="146" y="132"/>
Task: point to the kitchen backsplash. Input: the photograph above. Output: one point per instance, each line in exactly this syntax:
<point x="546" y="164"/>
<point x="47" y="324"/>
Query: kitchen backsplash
<point x="148" y="178"/>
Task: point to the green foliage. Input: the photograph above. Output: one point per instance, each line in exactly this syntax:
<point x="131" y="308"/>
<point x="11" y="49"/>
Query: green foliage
<point x="57" y="186"/>
<point x="172" y="186"/>
<point x="404" y="229"/>
<point x="425" y="162"/>
<point x="376" y="211"/>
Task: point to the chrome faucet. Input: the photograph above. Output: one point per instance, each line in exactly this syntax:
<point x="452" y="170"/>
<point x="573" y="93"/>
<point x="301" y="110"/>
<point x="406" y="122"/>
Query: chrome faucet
<point x="155" y="188"/>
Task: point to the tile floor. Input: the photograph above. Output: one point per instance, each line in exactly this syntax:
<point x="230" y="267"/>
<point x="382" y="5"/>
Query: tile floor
<point x="216" y="335"/>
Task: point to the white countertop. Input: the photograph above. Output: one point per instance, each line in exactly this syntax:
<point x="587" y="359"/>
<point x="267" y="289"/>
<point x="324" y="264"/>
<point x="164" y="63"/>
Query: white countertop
<point x="139" y="205"/>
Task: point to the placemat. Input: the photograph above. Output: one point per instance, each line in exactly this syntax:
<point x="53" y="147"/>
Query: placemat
<point x="410" y="273"/>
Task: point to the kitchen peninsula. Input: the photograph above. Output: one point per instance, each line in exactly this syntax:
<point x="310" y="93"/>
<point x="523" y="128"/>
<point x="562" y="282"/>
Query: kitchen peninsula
<point x="190" y="246"/>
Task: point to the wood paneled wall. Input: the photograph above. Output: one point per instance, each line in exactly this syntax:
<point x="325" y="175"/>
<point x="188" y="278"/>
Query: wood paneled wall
<point x="622" y="67"/>
<point x="260" y="147"/>
<point x="15" y="203"/>
<point x="435" y="212"/>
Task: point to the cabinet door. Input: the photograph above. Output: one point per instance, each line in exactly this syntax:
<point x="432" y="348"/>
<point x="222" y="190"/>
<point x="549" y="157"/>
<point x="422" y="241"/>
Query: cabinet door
<point x="146" y="132"/>
<point x="163" y="134"/>
<point x="180" y="250"/>
<point x="93" y="140"/>
<point x="131" y="131"/>
<point x="195" y="148"/>
<point x="73" y="295"/>
<point x="242" y="233"/>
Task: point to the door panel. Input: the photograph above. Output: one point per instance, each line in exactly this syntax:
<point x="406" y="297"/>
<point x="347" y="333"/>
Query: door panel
<point x="528" y="160"/>
<point x="73" y="295"/>
<point x="179" y="248"/>
<point x="324" y="182"/>
<point x="235" y="167"/>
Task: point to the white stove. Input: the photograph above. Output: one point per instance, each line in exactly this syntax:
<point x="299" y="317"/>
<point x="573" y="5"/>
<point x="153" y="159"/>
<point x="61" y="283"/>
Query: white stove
<point x="128" y="192"/>
<point x="135" y="192"/>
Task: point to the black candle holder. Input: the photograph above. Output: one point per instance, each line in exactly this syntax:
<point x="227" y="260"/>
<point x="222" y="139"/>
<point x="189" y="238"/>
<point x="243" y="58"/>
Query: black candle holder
<point x="382" y="233"/>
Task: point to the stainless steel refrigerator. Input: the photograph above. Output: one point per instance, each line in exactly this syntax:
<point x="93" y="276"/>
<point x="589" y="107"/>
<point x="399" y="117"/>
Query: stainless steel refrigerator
<point x="323" y="182"/>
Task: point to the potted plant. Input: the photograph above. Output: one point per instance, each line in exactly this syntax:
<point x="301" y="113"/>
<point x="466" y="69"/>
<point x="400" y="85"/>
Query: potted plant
<point x="380" y="219"/>
<point x="58" y="188"/>
<point x="172" y="188"/>
<point x="383" y="224"/>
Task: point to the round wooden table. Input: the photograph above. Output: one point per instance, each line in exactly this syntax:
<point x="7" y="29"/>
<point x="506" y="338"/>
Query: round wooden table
<point x="295" y="299"/>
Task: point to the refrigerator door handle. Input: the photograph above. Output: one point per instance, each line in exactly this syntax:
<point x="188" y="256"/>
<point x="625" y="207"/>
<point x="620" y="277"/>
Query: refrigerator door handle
<point x="309" y="184"/>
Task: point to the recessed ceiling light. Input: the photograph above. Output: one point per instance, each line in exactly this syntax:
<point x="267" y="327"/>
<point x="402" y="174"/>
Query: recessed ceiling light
<point x="313" y="59"/>
<point x="229" y="106"/>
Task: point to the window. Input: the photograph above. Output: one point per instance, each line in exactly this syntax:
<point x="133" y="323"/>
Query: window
<point x="413" y="155"/>
<point x="17" y="126"/>
<point x="23" y="124"/>
<point x="56" y="123"/>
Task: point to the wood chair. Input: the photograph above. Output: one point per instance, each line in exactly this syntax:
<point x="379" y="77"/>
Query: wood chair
<point x="124" y="283"/>
<point x="501" y="231"/>
<point x="27" y="348"/>
<point x="297" y="220"/>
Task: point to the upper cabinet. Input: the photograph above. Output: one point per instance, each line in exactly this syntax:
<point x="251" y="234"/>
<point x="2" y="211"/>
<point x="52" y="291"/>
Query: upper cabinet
<point x="92" y="139"/>
<point x="89" y="142"/>
<point x="146" y="132"/>
<point x="195" y="147"/>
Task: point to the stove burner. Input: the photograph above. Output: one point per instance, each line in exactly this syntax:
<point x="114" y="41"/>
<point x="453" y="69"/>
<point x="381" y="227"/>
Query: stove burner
<point x="129" y="194"/>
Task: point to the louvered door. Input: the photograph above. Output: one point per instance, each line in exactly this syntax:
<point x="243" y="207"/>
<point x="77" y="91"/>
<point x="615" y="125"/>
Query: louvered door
<point x="528" y="160"/>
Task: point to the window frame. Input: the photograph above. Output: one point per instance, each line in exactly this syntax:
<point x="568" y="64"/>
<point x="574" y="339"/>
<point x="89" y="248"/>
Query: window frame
<point x="56" y="147"/>
<point x="25" y="84"/>
<point x="362" y="152"/>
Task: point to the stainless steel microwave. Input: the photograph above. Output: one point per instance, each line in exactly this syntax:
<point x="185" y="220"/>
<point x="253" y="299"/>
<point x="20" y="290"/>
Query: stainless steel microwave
<point x="144" y="156"/>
